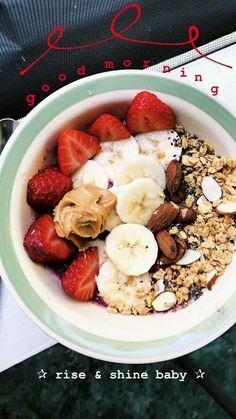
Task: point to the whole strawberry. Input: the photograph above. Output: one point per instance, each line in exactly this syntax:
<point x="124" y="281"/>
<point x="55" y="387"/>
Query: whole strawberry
<point x="148" y="113"/>
<point x="79" y="279"/>
<point x="47" y="188"/>
<point x="42" y="243"/>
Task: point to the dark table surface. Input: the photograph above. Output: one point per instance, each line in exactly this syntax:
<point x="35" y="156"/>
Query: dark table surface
<point x="24" y="396"/>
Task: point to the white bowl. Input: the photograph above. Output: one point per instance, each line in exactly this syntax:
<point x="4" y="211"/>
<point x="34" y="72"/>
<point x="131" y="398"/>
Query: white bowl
<point x="86" y="327"/>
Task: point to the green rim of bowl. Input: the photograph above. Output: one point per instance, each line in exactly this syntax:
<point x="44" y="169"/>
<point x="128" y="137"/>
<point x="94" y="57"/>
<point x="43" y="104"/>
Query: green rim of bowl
<point x="12" y="274"/>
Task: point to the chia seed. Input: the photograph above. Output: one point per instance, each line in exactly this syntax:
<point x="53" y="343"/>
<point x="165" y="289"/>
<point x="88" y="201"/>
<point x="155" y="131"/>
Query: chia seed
<point x="177" y="142"/>
<point x="195" y="292"/>
<point x="166" y="283"/>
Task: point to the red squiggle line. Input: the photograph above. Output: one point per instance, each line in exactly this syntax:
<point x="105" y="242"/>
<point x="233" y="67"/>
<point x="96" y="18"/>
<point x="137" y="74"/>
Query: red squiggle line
<point x="93" y="44"/>
<point x="191" y="29"/>
<point x="198" y="50"/>
<point x="193" y="34"/>
<point x="61" y="29"/>
<point x="142" y="41"/>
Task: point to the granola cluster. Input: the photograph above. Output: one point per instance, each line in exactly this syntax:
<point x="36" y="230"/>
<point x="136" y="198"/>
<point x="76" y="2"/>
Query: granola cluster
<point x="212" y="234"/>
<point x="143" y="304"/>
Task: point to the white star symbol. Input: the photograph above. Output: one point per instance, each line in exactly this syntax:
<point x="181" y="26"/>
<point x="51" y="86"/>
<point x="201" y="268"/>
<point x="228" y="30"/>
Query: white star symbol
<point x="200" y="373"/>
<point x="42" y="373"/>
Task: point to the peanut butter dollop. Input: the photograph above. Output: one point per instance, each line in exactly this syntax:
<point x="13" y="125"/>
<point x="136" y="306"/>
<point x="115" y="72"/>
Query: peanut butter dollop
<point x="82" y="213"/>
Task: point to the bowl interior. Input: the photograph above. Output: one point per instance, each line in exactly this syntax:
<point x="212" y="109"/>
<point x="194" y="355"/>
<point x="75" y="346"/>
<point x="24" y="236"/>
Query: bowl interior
<point x="44" y="281"/>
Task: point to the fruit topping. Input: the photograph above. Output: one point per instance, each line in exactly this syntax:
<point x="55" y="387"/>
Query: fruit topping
<point x="75" y="148"/>
<point x="141" y="167"/>
<point x="91" y="173"/>
<point x="43" y="244"/>
<point x="132" y="248"/>
<point x="109" y="128"/>
<point x="137" y="200"/>
<point x="79" y="280"/>
<point x="148" y="113"/>
<point x="47" y="188"/>
<point x="114" y="154"/>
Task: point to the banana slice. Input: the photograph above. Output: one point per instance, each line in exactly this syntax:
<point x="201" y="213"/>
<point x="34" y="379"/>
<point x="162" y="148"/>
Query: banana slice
<point x="132" y="248"/>
<point x="113" y="154"/>
<point x="141" y="167"/>
<point x="92" y="173"/>
<point x="137" y="201"/>
<point x="113" y="219"/>
<point x="118" y="289"/>
<point x="100" y="244"/>
<point x="162" y="145"/>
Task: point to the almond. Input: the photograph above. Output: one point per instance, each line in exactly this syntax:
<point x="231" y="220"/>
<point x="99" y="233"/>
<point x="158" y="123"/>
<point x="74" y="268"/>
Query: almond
<point x="189" y="257"/>
<point x="212" y="277"/>
<point x="154" y="268"/>
<point x="181" y="249"/>
<point x="186" y="214"/>
<point x="161" y="286"/>
<point x="178" y="196"/>
<point x="226" y="208"/>
<point x="211" y="189"/>
<point x="173" y="176"/>
<point x="163" y="217"/>
<point x="164" y="301"/>
<point x="167" y="244"/>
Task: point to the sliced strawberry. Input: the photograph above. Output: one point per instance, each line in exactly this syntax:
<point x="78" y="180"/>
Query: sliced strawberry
<point x="75" y="148"/>
<point x="42" y="243"/>
<point x="148" y="113"/>
<point x="109" y="128"/>
<point x="79" y="279"/>
<point x="47" y="188"/>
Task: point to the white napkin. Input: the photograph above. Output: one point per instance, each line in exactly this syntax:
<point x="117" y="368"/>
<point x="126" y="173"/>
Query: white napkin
<point x="20" y="338"/>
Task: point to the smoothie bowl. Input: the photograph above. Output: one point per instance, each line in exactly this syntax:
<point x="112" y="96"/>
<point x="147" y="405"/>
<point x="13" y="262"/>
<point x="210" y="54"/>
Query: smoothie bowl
<point x="138" y="266"/>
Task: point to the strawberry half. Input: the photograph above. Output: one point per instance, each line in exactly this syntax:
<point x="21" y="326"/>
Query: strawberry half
<point x="109" y="128"/>
<point x="75" y="148"/>
<point x="79" y="279"/>
<point x="148" y="113"/>
<point x="47" y="188"/>
<point x="42" y="243"/>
